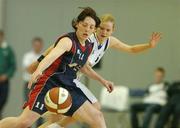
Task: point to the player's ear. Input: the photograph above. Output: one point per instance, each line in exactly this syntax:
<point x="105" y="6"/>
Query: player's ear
<point x="77" y="25"/>
<point x="95" y="30"/>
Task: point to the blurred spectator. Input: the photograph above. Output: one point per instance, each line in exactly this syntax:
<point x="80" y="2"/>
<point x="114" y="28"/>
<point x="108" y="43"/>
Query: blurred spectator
<point x="171" y="108"/>
<point x="152" y="102"/>
<point x="29" y="57"/>
<point x="7" y="69"/>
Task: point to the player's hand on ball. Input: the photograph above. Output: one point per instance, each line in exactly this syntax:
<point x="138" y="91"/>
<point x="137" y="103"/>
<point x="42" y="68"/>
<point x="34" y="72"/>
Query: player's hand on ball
<point x="35" y="76"/>
<point x="109" y="85"/>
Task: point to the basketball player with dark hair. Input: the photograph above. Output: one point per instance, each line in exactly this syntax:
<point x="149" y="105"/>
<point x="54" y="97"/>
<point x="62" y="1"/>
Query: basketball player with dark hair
<point x="59" y="68"/>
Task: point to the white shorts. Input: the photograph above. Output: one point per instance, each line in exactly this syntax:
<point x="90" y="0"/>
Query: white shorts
<point x="86" y="91"/>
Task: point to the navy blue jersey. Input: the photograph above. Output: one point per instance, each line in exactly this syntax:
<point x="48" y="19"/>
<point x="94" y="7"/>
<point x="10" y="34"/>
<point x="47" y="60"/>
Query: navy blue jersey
<point x="66" y="66"/>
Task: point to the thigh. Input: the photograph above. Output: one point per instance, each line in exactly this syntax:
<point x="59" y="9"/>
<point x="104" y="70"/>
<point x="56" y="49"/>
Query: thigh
<point x="52" y="117"/>
<point x="86" y="91"/>
<point x="153" y="107"/>
<point x="165" y="112"/>
<point x="36" y="96"/>
<point x="97" y="105"/>
<point x="86" y="113"/>
<point x="78" y="99"/>
<point x="138" y="107"/>
<point x="28" y="116"/>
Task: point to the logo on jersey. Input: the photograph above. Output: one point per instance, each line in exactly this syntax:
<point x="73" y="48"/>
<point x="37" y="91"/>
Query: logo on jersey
<point x="81" y="55"/>
<point x="75" y="66"/>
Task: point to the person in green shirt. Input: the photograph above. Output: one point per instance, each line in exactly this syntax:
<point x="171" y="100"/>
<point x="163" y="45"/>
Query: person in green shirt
<point x="7" y="69"/>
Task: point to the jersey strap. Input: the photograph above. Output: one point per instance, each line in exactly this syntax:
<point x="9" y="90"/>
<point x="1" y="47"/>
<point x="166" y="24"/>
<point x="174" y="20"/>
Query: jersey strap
<point x="107" y="43"/>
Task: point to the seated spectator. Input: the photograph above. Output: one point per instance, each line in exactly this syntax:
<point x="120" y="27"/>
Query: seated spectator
<point x="152" y="102"/>
<point x="171" y="108"/>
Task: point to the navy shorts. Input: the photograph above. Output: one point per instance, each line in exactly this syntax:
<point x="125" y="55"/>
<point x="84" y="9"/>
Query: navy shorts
<point x="36" y="96"/>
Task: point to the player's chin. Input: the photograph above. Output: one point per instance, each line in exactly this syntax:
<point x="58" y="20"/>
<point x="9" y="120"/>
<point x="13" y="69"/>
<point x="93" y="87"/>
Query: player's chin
<point x="85" y="36"/>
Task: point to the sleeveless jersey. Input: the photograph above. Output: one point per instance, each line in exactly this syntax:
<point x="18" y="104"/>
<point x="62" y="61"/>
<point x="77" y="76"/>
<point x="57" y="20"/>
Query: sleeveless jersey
<point x="98" y="49"/>
<point x="64" y="68"/>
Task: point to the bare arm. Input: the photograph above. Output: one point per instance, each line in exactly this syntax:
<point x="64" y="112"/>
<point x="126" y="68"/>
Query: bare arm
<point x="33" y="66"/>
<point x="45" y="53"/>
<point x="64" y="45"/>
<point x="87" y="70"/>
<point x="119" y="45"/>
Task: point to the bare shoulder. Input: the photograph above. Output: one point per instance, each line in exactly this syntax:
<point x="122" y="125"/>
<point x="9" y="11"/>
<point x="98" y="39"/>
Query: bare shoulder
<point x="65" y="40"/>
<point x="65" y="43"/>
<point x="113" y="40"/>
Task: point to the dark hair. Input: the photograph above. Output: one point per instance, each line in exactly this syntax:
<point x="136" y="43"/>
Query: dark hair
<point x="160" y="69"/>
<point x="38" y="39"/>
<point x="87" y="11"/>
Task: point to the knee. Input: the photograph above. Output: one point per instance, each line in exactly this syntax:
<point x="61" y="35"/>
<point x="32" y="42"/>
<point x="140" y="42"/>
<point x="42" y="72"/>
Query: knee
<point x="97" y="105"/>
<point x="98" y="120"/>
<point x="53" y="118"/>
<point x="99" y="115"/>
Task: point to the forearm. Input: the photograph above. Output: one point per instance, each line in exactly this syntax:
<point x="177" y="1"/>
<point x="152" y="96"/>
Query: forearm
<point x="140" y="47"/>
<point x="64" y="45"/>
<point x="87" y="70"/>
<point x="121" y="46"/>
<point x="45" y="63"/>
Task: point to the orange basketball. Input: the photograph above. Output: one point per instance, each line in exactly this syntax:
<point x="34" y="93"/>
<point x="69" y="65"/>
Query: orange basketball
<point x="58" y="100"/>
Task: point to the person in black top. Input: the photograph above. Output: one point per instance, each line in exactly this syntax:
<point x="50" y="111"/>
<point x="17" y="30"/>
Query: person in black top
<point x="171" y="108"/>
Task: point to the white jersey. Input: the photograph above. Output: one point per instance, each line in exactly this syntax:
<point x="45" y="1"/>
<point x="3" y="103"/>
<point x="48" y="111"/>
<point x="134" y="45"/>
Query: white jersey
<point x="96" y="54"/>
<point x="98" y="49"/>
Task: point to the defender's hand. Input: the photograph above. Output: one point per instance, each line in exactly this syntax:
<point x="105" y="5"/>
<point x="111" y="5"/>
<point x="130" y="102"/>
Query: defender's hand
<point x="155" y="37"/>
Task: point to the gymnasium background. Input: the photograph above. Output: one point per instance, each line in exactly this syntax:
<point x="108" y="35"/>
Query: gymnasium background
<point x="135" y="21"/>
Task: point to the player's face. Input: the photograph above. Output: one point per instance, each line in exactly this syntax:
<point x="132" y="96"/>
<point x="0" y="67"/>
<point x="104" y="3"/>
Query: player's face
<point x="37" y="46"/>
<point x="105" y="30"/>
<point x="85" y="28"/>
<point x="159" y="76"/>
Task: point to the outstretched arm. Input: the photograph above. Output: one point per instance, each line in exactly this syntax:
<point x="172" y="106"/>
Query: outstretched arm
<point x="64" y="45"/>
<point x="87" y="70"/>
<point x="117" y="44"/>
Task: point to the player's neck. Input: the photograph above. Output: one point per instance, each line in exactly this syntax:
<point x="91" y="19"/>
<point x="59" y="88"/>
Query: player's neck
<point x="99" y="39"/>
<point x="81" y="41"/>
